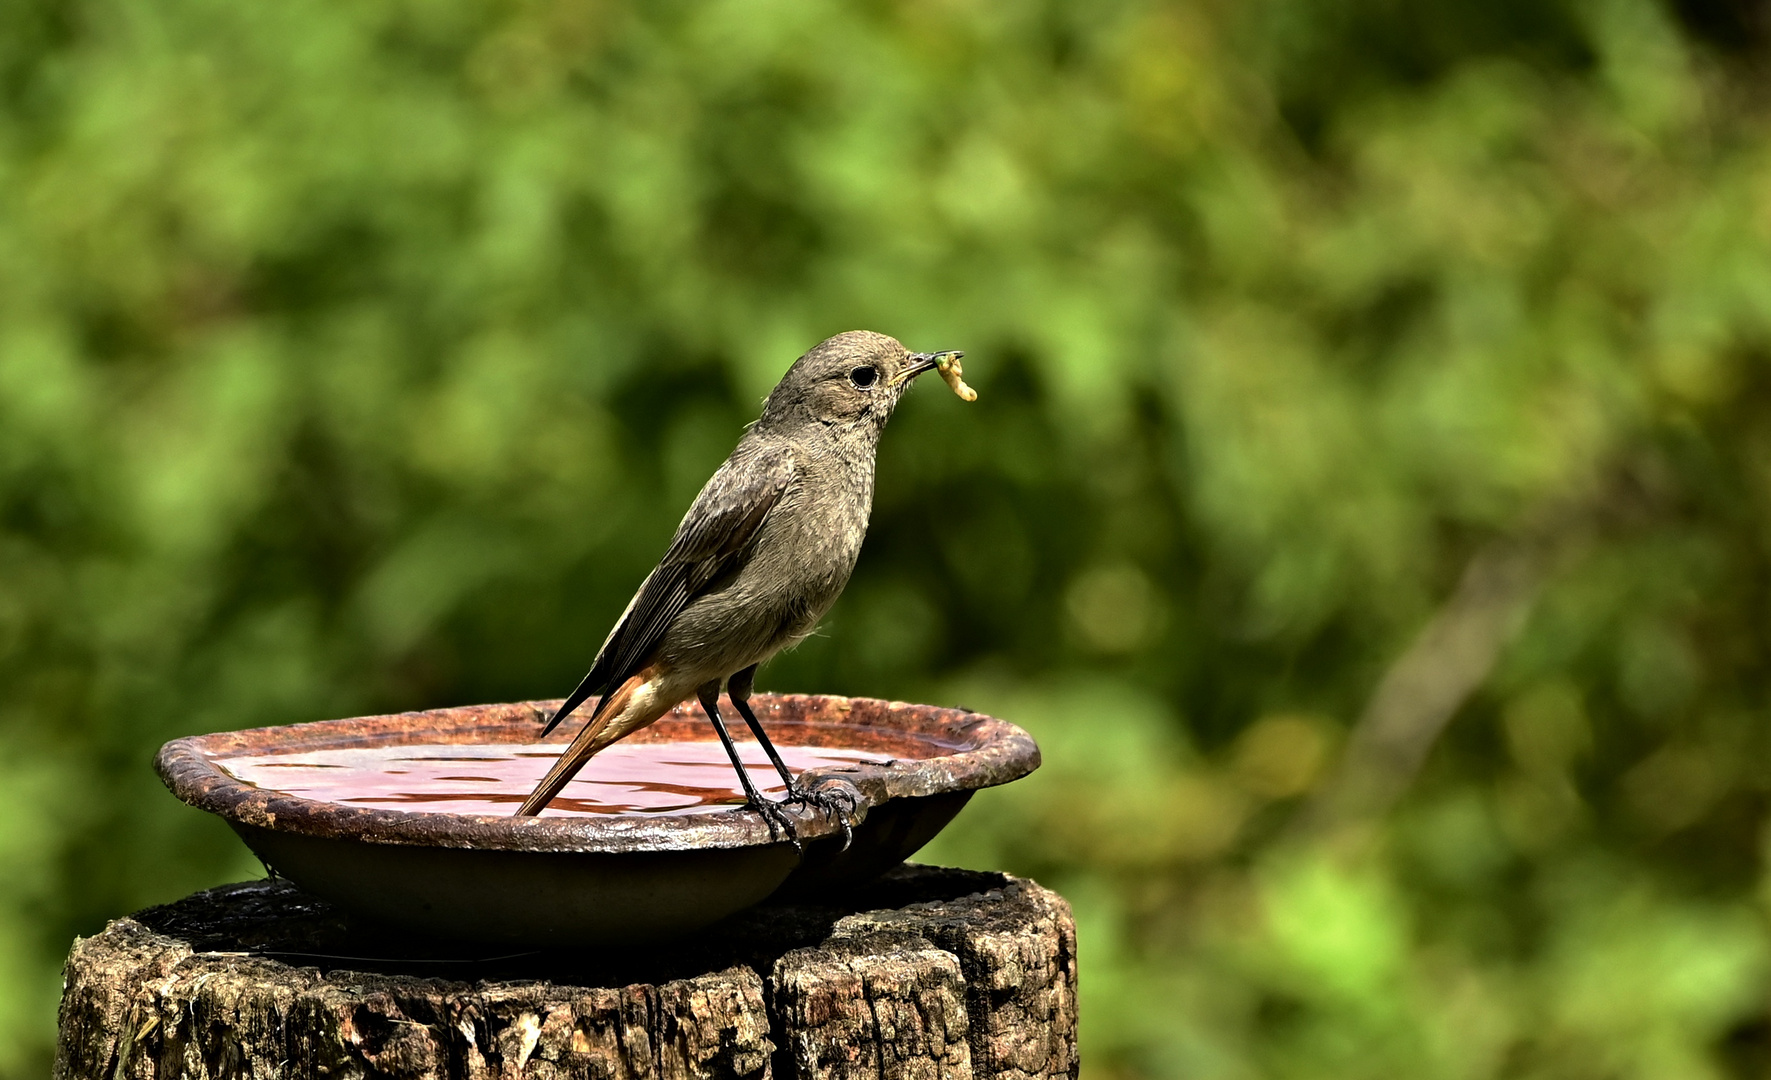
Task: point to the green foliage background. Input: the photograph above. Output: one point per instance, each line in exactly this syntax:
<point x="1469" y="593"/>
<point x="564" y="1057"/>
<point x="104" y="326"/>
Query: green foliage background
<point x="361" y="356"/>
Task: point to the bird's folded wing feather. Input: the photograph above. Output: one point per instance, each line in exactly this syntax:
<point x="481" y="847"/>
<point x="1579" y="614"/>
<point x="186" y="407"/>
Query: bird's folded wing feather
<point x="711" y="540"/>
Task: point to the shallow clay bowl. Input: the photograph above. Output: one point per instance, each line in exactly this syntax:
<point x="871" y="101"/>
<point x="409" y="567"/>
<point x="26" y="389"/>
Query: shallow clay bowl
<point x="601" y="879"/>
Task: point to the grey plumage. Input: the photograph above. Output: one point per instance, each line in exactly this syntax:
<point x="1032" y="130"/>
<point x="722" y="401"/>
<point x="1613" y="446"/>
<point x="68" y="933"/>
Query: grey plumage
<point x="760" y="556"/>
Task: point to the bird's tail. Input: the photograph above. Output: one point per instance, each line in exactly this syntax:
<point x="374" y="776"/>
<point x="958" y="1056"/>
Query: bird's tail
<point x="595" y="735"/>
<point x="582" y="693"/>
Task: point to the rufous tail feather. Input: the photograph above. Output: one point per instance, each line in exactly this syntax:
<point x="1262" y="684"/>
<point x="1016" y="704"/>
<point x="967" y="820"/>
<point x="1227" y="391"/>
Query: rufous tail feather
<point x="581" y="750"/>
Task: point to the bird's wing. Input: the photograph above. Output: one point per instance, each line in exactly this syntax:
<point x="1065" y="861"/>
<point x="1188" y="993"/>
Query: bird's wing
<point x="711" y="540"/>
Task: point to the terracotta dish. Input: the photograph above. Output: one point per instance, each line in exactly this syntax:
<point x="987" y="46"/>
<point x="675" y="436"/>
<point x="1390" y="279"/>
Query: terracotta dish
<point x="604" y="878"/>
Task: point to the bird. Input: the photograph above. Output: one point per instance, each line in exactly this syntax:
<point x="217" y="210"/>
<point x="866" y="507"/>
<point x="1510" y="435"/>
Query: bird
<point x="761" y="555"/>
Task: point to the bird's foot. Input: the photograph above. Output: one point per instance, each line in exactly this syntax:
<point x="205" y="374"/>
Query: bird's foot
<point x="775" y="816"/>
<point x="838" y="800"/>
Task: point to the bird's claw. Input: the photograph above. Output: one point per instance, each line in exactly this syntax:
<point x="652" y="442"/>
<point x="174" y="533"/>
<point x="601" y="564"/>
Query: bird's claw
<point x="837" y="800"/>
<point x="775" y="816"/>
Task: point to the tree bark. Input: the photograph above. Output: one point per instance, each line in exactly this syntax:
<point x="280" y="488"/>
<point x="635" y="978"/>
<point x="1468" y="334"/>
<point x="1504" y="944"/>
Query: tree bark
<point x="925" y="973"/>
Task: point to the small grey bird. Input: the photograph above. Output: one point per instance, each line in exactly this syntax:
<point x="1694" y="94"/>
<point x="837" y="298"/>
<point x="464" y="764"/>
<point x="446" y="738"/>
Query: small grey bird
<point x="761" y="555"/>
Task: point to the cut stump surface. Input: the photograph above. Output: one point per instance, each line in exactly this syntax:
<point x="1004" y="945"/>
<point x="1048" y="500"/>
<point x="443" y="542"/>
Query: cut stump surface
<point x="926" y="973"/>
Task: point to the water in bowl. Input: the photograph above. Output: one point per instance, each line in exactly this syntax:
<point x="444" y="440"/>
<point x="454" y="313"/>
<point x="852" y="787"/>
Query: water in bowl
<point x="494" y="778"/>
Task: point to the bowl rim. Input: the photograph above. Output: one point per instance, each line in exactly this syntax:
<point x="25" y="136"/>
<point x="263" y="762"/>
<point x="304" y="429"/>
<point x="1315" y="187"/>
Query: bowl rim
<point x="985" y="752"/>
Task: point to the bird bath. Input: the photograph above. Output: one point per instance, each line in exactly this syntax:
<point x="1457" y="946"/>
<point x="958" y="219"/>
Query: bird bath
<point x="643" y="847"/>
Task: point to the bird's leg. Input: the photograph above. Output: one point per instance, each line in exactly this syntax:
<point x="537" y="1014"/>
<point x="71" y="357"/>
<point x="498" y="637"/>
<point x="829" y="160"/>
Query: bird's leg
<point x="833" y="803"/>
<point x="771" y="812"/>
<point x="739" y="687"/>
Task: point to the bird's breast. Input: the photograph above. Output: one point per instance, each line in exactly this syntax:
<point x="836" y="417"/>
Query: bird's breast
<point x="793" y="572"/>
<point x="808" y="547"/>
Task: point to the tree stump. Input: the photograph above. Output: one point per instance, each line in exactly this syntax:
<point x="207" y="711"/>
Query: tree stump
<point x="925" y="973"/>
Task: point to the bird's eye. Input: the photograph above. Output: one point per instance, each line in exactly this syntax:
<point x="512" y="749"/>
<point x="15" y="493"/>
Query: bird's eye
<point x="864" y="377"/>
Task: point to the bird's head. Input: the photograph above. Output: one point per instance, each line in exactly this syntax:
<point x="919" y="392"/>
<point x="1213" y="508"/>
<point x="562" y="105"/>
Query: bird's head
<point x="851" y="380"/>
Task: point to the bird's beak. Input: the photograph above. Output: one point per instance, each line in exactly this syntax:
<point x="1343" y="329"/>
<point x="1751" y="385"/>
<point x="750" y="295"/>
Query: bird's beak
<point x="925" y="361"/>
